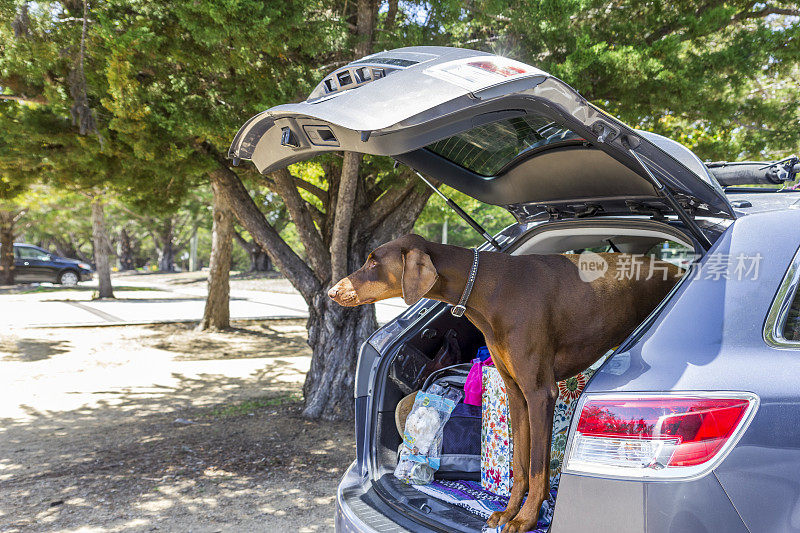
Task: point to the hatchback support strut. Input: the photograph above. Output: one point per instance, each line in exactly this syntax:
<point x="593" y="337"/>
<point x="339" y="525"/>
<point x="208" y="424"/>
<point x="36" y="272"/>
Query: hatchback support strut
<point x="665" y="193"/>
<point x="460" y="212"/>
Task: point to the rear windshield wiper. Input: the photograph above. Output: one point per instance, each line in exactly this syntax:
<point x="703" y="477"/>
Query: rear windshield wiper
<point x="460" y="212"/>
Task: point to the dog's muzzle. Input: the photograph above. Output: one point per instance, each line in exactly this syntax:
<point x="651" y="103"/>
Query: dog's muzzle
<point x="343" y="293"/>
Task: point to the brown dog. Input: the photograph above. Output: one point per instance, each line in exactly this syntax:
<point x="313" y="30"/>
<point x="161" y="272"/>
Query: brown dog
<point x="542" y="323"/>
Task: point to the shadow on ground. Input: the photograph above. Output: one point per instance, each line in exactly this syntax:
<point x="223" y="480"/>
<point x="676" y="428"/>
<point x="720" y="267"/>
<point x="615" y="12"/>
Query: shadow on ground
<point x="205" y="453"/>
<point x="258" y="339"/>
<point x="32" y="349"/>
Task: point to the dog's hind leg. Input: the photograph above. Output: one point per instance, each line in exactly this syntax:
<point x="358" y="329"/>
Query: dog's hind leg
<point x="541" y="404"/>
<point x="520" y="433"/>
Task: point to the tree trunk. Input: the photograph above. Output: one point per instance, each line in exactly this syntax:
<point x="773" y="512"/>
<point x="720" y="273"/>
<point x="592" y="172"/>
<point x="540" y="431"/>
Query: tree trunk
<point x="7" y="219"/>
<point x="217" y="311"/>
<point x="252" y="219"/>
<point x="334" y="333"/>
<point x="102" y="249"/>
<point x="365" y="27"/>
<point x="125" y="251"/>
<point x="166" y="249"/>
<point x="259" y="260"/>
<point x="391" y="15"/>
<point x="262" y="262"/>
<point x="66" y="247"/>
<point x="193" y="265"/>
<point x="345" y="204"/>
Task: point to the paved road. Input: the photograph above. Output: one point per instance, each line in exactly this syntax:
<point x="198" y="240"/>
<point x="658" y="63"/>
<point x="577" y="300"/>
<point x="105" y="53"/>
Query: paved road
<point x="142" y="302"/>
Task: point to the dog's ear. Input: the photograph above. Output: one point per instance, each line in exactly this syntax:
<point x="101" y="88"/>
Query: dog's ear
<point x="419" y="275"/>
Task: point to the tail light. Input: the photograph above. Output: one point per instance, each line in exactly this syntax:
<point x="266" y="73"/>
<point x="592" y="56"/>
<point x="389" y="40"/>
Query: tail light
<point x="657" y="436"/>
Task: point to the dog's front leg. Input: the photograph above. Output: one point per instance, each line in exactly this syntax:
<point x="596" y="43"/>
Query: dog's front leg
<point x="541" y="404"/>
<point x="520" y="433"/>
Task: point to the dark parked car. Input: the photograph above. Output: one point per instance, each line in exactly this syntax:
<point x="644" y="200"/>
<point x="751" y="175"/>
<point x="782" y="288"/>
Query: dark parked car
<point x="34" y="264"/>
<point x="693" y="423"/>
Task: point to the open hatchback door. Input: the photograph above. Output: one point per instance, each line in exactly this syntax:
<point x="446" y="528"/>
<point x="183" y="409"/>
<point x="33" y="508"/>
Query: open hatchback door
<point x="501" y="131"/>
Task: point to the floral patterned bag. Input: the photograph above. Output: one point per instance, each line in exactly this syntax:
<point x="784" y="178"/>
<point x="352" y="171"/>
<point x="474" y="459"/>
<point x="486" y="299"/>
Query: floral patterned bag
<point x="496" y="437"/>
<point x="496" y="444"/>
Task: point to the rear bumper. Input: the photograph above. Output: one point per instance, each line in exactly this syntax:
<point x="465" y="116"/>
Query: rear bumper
<point x="612" y="506"/>
<point x="360" y="510"/>
<point x="347" y="520"/>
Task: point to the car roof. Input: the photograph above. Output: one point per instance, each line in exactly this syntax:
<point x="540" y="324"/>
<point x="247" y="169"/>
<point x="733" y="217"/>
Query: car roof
<point x="748" y="201"/>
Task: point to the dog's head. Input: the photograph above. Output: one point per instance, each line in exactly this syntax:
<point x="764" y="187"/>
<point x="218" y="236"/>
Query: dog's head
<point x="401" y="267"/>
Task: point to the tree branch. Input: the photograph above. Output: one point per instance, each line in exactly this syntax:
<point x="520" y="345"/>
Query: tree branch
<point x="24" y="99"/>
<point x="391" y="15"/>
<point x="767" y="11"/>
<point x="345" y="203"/>
<point x="739" y="17"/>
<point x="675" y="25"/>
<point x="241" y="240"/>
<point x="251" y="217"/>
<point x="309" y="236"/>
<point x="385" y="204"/>
<point x="156" y="240"/>
<point x="320" y="193"/>
<point x="317" y="215"/>
<point x="19" y="215"/>
<point x="401" y="220"/>
<point x="141" y="218"/>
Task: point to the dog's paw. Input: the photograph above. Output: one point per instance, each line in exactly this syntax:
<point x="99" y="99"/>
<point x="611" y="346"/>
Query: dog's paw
<point x="494" y="519"/>
<point x="519" y="526"/>
<point x="498" y="518"/>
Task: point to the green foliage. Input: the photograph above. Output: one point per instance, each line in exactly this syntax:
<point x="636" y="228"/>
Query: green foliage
<point x="57" y="219"/>
<point x="718" y="76"/>
<point x="190" y="71"/>
<point x="164" y="77"/>
<point x="250" y="406"/>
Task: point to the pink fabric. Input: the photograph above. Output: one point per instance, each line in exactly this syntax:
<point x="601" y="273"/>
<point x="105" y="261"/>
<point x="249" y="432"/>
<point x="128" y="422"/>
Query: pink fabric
<point x="473" y="387"/>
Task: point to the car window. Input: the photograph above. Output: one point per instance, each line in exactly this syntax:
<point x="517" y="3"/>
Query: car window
<point x="32" y="253"/>
<point x="486" y="149"/>
<point x="675" y="253"/>
<point x="782" y="325"/>
<point x="791" y="329"/>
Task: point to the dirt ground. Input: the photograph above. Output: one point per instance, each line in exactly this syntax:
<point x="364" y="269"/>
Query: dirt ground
<point x="156" y="428"/>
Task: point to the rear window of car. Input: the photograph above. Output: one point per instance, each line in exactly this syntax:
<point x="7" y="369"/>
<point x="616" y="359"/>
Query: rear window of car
<point x="23" y="252"/>
<point x="487" y="149"/>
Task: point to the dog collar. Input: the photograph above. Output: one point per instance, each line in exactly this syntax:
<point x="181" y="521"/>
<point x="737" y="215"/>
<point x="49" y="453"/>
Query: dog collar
<point x="458" y="310"/>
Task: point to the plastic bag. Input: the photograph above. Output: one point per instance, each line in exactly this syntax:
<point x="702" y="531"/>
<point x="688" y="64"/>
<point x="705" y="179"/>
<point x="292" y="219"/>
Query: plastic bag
<point x="473" y="387"/>
<point x="421" y="449"/>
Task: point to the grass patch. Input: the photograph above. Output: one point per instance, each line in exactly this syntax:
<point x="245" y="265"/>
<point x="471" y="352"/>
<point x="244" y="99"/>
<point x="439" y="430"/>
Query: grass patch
<point x="250" y="406"/>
